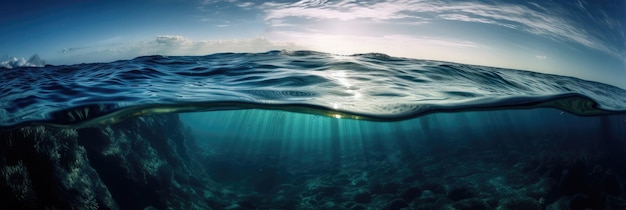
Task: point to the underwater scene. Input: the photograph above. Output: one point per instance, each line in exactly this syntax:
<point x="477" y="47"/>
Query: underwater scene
<point x="313" y="104"/>
<point x="308" y="130"/>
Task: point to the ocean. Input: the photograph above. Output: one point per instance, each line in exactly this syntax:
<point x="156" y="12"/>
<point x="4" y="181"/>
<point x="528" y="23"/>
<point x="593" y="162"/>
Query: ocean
<point x="307" y="130"/>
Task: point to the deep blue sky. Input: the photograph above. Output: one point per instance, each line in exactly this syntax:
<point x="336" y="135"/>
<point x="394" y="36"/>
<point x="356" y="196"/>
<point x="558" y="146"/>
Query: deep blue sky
<point x="580" y="38"/>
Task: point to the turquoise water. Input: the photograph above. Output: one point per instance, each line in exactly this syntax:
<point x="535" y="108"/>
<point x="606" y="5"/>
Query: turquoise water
<point x="510" y="124"/>
<point x="541" y="158"/>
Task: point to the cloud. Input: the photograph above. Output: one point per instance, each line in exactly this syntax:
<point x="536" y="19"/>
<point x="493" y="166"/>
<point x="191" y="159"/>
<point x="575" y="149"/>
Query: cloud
<point x="167" y="45"/>
<point x="342" y="10"/>
<point x="552" y="21"/>
<point x="224" y="10"/>
<point x="466" y="18"/>
<point x="171" y="40"/>
<point x="542" y="57"/>
<point x="433" y="41"/>
<point x="245" y="4"/>
<point x="13" y="62"/>
<point x="180" y="45"/>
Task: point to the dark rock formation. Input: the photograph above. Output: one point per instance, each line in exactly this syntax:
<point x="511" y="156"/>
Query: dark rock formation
<point x="397" y="204"/>
<point x="411" y="193"/>
<point x="363" y="197"/>
<point x="138" y="163"/>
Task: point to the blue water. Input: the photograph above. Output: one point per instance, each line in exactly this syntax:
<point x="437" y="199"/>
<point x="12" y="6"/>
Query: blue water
<point x="310" y="130"/>
<point x="363" y="86"/>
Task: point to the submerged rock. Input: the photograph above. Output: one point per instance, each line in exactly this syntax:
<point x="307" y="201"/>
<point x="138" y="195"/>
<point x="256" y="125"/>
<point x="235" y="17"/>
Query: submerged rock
<point x="397" y="205"/>
<point x="131" y="165"/>
<point x="521" y="203"/>
<point x="46" y="168"/>
<point x="363" y="197"/>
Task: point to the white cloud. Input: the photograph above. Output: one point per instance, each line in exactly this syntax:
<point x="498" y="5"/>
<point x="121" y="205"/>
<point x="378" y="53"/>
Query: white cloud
<point x="246" y="4"/>
<point x="534" y="18"/>
<point x="171" y="40"/>
<point x="342" y="10"/>
<point x="465" y="18"/>
<point x="179" y="45"/>
<point x="167" y="45"/>
<point x="542" y="57"/>
<point x="13" y="62"/>
<point x="432" y="41"/>
<point x="395" y="45"/>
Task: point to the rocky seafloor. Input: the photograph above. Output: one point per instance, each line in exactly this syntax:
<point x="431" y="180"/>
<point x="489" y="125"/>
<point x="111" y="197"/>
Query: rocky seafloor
<point x="154" y="163"/>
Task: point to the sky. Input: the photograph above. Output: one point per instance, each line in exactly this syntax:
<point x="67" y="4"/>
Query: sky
<point x="580" y="38"/>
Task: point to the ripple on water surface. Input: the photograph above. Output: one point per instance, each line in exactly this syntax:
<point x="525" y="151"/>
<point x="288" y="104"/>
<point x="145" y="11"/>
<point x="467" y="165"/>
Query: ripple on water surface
<point x="363" y="86"/>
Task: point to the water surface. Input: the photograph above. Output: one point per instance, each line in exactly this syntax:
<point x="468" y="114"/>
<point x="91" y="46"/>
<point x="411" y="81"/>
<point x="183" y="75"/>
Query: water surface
<point x="363" y="86"/>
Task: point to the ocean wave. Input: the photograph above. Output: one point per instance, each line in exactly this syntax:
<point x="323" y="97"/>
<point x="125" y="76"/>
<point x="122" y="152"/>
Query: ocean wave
<point x="364" y="86"/>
